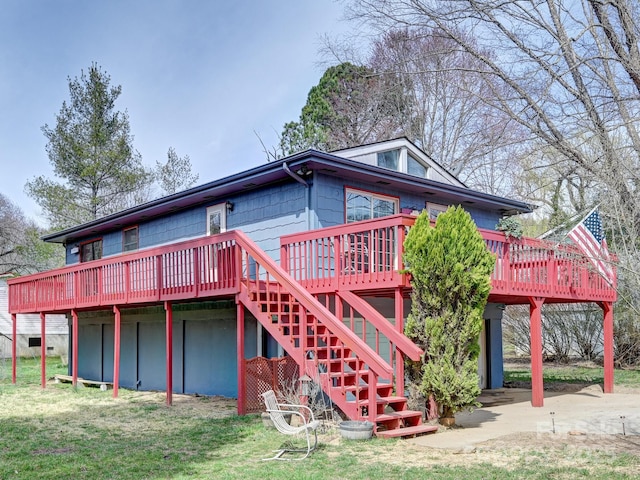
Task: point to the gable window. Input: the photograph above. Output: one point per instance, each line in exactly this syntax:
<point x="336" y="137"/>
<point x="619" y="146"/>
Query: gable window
<point x="91" y="251"/>
<point x="415" y="168"/>
<point x="435" y="209"/>
<point x="130" y="239"/>
<point x="389" y="159"/>
<point x="361" y="205"/>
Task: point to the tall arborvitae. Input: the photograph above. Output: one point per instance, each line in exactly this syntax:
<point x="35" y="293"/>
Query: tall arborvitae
<point x="450" y="268"/>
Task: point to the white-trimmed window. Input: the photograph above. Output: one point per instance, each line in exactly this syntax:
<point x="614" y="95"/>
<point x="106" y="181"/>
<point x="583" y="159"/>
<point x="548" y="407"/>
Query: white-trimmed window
<point x="362" y="205"/>
<point x="414" y="167"/>
<point x="389" y="159"/>
<point x="435" y="209"/>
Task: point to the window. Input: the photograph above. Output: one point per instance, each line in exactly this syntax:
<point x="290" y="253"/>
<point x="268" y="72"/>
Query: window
<point x="435" y="209"/>
<point x="217" y="219"/>
<point x="91" y="251"/>
<point x="389" y="159"/>
<point x="130" y="239"/>
<point x="415" y="168"/>
<point x="365" y="205"/>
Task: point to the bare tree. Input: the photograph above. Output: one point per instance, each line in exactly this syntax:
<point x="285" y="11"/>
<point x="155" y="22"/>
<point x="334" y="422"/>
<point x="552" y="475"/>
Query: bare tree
<point x="21" y="250"/>
<point x="449" y="118"/>
<point x="176" y="174"/>
<point x="568" y="72"/>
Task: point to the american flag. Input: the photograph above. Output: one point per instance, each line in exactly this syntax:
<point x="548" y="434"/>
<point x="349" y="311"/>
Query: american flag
<point x="588" y="235"/>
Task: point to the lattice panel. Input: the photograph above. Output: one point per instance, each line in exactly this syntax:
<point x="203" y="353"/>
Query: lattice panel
<point x="264" y="374"/>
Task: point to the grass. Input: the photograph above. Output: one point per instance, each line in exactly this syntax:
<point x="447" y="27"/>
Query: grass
<point x="558" y="373"/>
<point x="59" y="432"/>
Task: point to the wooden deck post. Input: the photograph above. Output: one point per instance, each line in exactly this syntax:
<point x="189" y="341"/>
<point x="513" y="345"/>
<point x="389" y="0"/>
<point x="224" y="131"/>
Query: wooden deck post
<point x="537" y="383"/>
<point x="607" y="309"/>
<point x="74" y="348"/>
<point x="116" y="351"/>
<point x="242" y="407"/>
<point x="169" y="339"/>
<point x="14" y="330"/>
<point x="43" y="350"/>
<point x="399" y="363"/>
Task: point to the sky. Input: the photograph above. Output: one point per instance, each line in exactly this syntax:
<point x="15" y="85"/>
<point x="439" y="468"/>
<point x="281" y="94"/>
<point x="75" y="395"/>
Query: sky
<point x="208" y="78"/>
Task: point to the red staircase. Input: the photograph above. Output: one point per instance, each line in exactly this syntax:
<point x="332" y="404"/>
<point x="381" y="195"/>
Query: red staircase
<point x="356" y="378"/>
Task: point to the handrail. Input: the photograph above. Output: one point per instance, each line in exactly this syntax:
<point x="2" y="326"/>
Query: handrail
<point x="349" y="338"/>
<point x="401" y="341"/>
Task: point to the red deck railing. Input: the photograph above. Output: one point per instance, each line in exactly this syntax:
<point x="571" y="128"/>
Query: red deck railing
<point x="202" y="267"/>
<point x="358" y="256"/>
<point x="368" y="255"/>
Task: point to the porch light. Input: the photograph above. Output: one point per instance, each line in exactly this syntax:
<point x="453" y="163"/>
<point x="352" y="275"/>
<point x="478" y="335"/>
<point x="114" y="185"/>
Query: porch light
<point x="229" y="206"/>
<point x="305" y="385"/>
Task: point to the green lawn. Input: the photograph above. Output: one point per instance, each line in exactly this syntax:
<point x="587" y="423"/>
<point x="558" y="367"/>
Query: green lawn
<point x="60" y="433"/>
<point x="553" y="373"/>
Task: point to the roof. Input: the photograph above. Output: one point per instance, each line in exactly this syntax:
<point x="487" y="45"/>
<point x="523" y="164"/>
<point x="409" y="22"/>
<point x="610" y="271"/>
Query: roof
<point x="400" y="143"/>
<point x="281" y="170"/>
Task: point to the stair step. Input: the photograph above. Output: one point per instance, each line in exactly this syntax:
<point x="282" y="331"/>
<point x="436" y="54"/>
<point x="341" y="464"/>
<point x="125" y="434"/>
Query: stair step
<point x="394" y="401"/>
<point x="407" y="431"/>
<point x="400" y="414"/>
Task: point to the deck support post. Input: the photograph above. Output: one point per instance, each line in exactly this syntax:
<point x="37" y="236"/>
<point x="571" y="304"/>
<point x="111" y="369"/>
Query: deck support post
<point x="116" y="350"/>
<point x="607" y="310"/>
<point x="14" y="330"/>
<point x="399" y="363"/>
<point x="169" y="348"/>
<point x="240" y="358"/>
<point x="43" y="350"/>
<point x="537" y="382"/>
<point x="74" y="348"/>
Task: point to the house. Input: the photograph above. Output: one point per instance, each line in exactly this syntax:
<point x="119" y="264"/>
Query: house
<point x="28" y="338"/>
<point x="301" y="256"/>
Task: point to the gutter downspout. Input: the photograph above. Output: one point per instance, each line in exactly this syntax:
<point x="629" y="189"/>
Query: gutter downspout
<point x="307" y="208"/>
<point x="301" y="180"/>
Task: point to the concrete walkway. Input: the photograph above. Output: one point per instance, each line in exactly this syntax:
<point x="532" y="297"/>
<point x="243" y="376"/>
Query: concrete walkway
<point x="507" y="411"/>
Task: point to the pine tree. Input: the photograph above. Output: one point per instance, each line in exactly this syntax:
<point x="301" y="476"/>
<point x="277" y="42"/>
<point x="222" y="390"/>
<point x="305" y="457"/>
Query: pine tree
<point x="450" y="270"/>
<point x="91" y="150"/>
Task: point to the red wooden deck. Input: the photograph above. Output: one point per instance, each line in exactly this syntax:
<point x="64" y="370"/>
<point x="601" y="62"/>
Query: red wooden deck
<point x="368" y="256"/>
<point x="342" y="261"/>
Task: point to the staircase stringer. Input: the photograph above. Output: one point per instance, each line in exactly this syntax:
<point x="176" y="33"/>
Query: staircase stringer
<point x="337" y="368"/>
<point x="317" y="340"/>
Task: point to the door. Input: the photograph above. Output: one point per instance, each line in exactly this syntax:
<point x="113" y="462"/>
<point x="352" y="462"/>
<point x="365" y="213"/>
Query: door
<point x="216" y="219"/>
<point x="216" y="223"/>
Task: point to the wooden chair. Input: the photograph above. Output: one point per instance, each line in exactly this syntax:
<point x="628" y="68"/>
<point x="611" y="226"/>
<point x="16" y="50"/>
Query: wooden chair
<point x="277" y="412"/>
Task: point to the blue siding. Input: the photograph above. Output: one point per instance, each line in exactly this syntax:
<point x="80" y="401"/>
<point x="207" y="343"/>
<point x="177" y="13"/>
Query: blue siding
<point x="330" y="201"/>
<point x="90" y="351"/>
<point x="151" y="356"/>
<point x="108" y="335"/>
<point x="264" y="215"/>
<point x="179" y="226"/>
<point x="129" y="355"/>
<point x="329" y="194"/>
<point x="204" y="349"/>
<point x="268" y="214"/>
